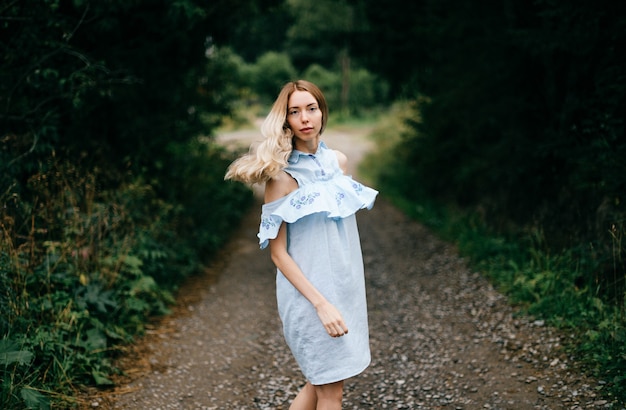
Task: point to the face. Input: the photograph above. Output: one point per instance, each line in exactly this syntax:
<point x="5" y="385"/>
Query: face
<point x="305" y="120"/>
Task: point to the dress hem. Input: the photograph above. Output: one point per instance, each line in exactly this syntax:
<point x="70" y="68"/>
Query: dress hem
<point x="335" y="379"/>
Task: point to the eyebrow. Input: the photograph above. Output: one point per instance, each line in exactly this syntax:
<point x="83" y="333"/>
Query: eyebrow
<point x="308" y="105"/>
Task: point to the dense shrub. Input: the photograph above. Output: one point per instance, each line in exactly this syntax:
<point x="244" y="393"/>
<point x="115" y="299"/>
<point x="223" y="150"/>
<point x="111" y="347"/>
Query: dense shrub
<point x="92" y="266"/>
<point x="366" y="91"/>
<point x="524" y="118"/>
<point x="271" y="71"/>
<point x="107" y="198"/>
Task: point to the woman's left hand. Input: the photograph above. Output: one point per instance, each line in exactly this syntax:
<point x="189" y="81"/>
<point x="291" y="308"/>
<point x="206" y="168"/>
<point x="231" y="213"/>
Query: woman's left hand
<point x="331" y="319"/>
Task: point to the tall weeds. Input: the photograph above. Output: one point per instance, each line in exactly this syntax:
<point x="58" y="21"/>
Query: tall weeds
<point x="82" y="270"/>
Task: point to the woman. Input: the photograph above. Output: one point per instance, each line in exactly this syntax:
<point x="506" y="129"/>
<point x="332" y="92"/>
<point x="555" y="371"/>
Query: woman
<point x="309" y="221"/>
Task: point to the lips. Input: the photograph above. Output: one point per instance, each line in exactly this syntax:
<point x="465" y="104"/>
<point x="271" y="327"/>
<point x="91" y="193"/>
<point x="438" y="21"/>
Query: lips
<point x="307" y="129"/>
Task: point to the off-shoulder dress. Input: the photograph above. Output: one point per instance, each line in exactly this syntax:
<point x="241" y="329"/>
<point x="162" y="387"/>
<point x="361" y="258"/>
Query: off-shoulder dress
<point x="323" y="239"/>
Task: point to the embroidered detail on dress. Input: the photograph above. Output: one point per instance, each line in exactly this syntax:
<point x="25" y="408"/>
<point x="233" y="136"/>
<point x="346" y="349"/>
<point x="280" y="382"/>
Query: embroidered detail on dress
<point x="267" y="223"/>
<point x="339" y="197"/>
<point x="357" y="187"/>
<point x="304" y="200"/>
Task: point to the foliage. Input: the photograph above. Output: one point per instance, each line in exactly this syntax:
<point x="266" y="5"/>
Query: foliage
<point x="258" y="83"/>
<point x="207" y="206"/>
<point x="269" y="73"/>
<point x="95" y="265"/>
<point x="299" y="39"/>
<point x="519" y="126"/>
<point x="321" y="32"/>
<point x="105" y="70"/>
<point x="109" y="198"/>
<point x="520" y="115"/>
<point x="367" y="90"/>
<point x="552" y="284"/>
<point x="252" y="27"/>
<point x="265" y="29"/>
<point x="524" y="115"/>
<point x="73" y="284"/>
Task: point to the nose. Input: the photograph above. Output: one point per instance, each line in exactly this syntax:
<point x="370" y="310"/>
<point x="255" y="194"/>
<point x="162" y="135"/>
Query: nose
<point x="304" y="116"/>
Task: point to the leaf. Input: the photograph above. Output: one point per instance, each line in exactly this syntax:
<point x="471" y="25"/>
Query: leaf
<point x="96" y="340"/>
<point x="21" y="357"/>
<point x="133" y="264"/>
<point x="137" y="305"/>
<point x="10" y="353"/>
<point x="94" y="295"/>
<point x="100" y="378"/>
<point x="144" y="284"/>
<point x="34" y="400"/>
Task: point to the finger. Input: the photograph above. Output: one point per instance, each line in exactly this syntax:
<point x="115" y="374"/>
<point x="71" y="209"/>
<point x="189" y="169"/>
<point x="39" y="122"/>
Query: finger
<point x="340" y="331"/>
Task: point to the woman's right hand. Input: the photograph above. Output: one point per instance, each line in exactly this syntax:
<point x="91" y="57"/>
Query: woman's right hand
<point x="331" y="319"/>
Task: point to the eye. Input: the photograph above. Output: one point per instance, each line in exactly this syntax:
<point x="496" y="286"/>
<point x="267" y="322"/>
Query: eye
<point x="293" y="112"/>
<point x="312" y="109"/>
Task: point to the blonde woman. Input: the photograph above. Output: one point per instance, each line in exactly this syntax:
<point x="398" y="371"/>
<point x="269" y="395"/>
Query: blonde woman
<point x="308" y="220"/>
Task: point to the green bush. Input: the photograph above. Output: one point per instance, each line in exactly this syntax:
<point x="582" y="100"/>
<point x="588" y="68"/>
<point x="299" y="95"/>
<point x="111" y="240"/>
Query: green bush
<point x="328" y="81"/>
<point x="94" y="265"/>
<point x="271" y="71"/>
<point x="366" y="91"/>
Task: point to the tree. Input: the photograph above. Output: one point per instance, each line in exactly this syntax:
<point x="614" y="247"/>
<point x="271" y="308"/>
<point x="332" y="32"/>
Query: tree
<point x="101" y="107"/>
<point x="265" y="29"/>
<point x="321" y="34"/>
<point x="125" y="74"/>
<point x="270" y="72"/>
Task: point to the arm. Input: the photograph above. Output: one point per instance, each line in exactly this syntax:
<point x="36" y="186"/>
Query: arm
<point x="329" y="315"/>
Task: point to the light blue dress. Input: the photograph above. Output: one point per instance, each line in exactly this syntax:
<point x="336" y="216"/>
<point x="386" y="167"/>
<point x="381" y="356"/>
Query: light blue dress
<point x="323" y="239"/>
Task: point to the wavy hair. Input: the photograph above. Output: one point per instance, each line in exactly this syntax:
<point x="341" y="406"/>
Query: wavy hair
<point x="270" y="157"/>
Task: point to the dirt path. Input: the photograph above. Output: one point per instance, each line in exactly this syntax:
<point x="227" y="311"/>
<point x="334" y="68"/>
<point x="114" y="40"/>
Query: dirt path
<point x="441" y="337"/>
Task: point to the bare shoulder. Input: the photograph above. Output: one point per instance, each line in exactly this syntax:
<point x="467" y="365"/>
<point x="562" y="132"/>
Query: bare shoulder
<point x="343" y="161"/>
<point x="279" y="186"/>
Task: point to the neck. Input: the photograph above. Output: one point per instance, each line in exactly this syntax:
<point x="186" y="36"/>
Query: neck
<point x="309" y="147"/>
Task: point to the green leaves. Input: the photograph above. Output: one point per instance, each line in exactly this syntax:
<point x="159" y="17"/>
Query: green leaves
<point x="101" y="378"/>
<point x="10" y="353"/>
<point x="34" y="399"/>
<point x="11" y="356"/>
<point x="97" y="264"/>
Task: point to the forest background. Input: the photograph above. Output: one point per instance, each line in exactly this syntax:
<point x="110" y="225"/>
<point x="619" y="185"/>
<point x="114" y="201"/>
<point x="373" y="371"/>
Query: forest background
<point x="500" y="125"/>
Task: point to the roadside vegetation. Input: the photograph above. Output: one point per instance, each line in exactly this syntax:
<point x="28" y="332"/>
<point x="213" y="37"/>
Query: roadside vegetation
<point x="578" y="288"/>
<point x="511" y="144"/>
<point x="109" y="198"/>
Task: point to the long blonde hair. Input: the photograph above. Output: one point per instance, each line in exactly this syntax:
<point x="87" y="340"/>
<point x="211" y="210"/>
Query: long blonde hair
<point x="271" y="156"/>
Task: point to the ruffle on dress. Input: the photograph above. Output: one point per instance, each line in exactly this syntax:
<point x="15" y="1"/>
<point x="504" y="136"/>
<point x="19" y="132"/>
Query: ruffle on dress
<point x="339" y="197"/>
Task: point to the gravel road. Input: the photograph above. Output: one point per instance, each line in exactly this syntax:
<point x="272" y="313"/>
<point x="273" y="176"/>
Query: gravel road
<point x="441" y="336"/>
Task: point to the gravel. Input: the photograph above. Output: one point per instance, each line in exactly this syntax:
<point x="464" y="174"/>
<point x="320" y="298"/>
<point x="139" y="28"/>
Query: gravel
<point x="441" y="336"/>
